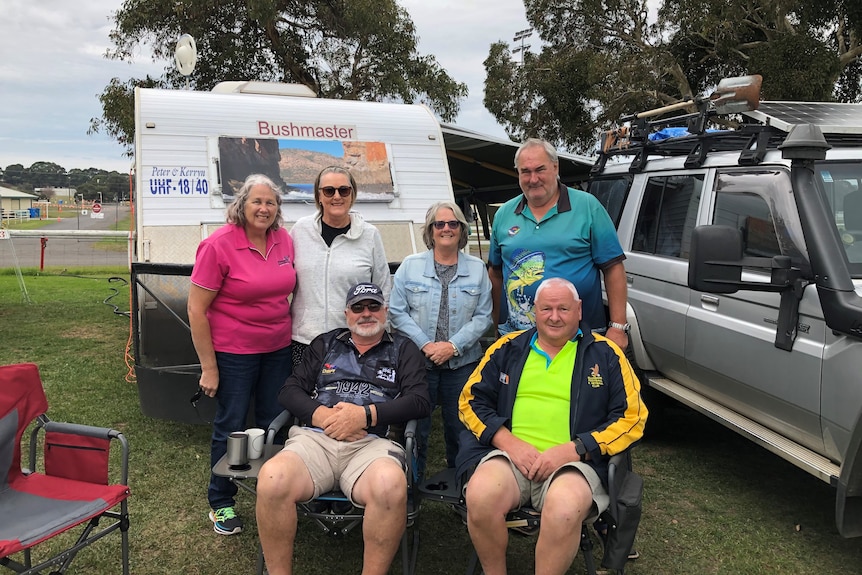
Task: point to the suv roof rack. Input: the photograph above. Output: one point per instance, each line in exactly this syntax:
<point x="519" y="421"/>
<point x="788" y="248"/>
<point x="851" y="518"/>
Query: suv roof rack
<point x="764" y="126"/>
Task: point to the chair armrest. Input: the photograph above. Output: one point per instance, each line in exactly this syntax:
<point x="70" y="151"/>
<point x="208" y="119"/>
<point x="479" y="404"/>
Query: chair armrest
<point x="410" y="429"/>
<point x="409" y="450"/>
<point x="84" y="431"/>
<point x="285" y="418"/>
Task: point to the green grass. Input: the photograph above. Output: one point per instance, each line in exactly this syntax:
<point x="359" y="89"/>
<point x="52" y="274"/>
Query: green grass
<point x="713" y="502"/>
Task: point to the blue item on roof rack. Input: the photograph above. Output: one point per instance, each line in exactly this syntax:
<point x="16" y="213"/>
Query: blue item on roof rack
<point x="673" y="132"/>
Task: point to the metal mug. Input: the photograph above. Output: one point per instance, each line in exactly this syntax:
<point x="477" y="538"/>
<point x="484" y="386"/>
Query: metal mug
<point x="237" y="449"/>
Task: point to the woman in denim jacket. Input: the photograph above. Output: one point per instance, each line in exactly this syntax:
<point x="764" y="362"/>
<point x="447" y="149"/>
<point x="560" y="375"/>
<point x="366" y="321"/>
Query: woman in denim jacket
<point x="441" y="299"/>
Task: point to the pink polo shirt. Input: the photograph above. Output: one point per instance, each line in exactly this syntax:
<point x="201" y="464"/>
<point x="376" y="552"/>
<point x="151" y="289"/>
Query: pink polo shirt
<point x="251" y="312"/>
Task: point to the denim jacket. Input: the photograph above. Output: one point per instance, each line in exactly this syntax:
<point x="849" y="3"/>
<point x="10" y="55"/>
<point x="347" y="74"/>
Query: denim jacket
<point x="414" y="304"/>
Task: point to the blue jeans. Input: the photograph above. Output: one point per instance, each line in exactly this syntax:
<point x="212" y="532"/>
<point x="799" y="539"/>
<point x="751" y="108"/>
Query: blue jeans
<point x="444" y="389"/>
<point x="241" y="377"/>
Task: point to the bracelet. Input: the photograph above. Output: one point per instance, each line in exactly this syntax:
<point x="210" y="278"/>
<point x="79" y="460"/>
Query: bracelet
<point x="367" y="416"/>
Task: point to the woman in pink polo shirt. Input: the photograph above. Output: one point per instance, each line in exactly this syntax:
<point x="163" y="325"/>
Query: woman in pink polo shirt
<point x="239" y="315"/>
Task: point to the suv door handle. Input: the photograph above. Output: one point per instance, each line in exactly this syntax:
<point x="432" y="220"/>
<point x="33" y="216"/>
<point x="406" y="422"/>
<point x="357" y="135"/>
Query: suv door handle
<point x="710" y="300"/>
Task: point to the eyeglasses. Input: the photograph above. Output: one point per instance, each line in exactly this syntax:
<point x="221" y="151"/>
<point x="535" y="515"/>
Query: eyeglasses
<point x="453" y="225"/>
<point x="343" y="191"/>
<point x="360" y="307"/>
<point x="194" y="401"/>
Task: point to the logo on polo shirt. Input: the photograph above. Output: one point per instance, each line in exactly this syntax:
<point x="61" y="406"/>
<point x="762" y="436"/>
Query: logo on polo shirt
<point x="514" y="230"/>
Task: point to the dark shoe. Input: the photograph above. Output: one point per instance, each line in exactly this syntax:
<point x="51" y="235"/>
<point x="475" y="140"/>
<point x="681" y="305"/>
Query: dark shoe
<point x="317" y="506"/>
<point x="225" y="521"/>
<point x="340" y="507"/>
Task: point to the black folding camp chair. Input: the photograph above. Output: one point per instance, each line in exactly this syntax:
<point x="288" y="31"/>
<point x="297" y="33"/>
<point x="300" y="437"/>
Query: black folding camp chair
<point x="73" y="491"/>
<point x="334" y="513"/>
<point x="620" y="520"/>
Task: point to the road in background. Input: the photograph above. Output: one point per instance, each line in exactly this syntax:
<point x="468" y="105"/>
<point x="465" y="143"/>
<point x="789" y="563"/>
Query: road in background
<point x="74" y="252"/>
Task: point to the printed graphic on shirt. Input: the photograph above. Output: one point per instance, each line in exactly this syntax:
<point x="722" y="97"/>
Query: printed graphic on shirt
<point x="527" y="268"/>
<point x="595" y="378"/>
<point x="328" y="368"/>
<point x="386" y="374"/>
<point x="514" y="230"/>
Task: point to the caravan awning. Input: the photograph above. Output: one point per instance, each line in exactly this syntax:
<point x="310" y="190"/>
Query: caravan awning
<point x="482" y="167"/>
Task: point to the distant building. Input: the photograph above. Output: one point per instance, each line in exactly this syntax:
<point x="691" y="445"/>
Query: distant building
<point x="13" y="202"/>
<point x="66" y="195"/>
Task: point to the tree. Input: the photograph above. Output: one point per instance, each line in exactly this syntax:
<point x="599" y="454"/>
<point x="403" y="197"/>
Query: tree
<point x="602" y="59"/>
<point x="346" y="49"/>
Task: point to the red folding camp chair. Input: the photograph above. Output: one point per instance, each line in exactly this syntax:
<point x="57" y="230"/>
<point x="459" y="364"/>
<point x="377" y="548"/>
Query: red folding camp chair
<point x="73" y="490"/>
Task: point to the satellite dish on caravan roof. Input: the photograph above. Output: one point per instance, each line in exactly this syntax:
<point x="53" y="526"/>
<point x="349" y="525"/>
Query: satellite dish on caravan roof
<point x="186" y="55"/>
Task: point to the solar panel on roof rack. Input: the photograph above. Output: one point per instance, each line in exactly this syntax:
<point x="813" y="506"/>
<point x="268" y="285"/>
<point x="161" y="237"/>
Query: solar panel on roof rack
<point x="831" y="117"/>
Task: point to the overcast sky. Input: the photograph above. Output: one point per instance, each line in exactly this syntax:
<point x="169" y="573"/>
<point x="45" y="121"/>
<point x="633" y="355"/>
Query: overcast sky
<point x="52" y="69"/>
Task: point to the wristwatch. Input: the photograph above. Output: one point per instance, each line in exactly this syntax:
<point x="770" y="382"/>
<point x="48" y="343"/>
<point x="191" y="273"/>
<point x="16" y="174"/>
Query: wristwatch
<point x="580" y="448"/>
<point x="626" y="327"/>
<point x="455" y="350"/>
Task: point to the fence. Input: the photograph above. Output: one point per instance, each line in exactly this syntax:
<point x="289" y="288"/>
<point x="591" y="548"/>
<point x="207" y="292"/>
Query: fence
<point x="67" y="248"/>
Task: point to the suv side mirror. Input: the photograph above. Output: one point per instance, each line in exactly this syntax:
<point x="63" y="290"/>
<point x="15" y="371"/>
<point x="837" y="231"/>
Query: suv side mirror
<point x="715" y="259"/>
<point x="715" y="265"/>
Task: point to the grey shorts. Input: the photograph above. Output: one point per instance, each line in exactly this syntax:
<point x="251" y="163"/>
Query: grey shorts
<point x="533" y="492"/>
<point x="339" y="464"/>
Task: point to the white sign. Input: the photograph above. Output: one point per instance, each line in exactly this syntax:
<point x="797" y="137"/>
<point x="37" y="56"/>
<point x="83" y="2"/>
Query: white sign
<point x="94" y="215"/>
<point x="176" y="181"/>
<point x="4" y="234"/>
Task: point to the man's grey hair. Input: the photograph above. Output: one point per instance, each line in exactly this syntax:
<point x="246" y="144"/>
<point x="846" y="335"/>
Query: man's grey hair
<point x="536" y="142"/>
<point x="558" y="282"/>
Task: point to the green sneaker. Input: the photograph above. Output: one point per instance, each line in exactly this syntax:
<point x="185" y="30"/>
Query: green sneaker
<point x="225" y="521"/>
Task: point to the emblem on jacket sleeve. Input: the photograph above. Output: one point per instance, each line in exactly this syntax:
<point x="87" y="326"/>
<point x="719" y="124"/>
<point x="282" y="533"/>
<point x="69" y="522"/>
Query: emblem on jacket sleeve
<point x="595" y="378"/>
<point x="504" y="378"/>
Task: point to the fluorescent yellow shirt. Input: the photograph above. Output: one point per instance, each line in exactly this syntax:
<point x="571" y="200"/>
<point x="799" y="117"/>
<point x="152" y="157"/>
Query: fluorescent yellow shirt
<point x="542" y="412"/>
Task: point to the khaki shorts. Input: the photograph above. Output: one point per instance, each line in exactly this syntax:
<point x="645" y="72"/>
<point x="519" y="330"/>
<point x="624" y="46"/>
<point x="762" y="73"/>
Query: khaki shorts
<point x="533" y="492"/>
<point x="339" y="464"/>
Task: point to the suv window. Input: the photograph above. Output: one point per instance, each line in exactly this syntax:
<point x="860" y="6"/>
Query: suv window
<point x="761" y="205"/>
<point x="667" y="215"/>
<point x="842" y="182"/>
<point x="612" y="194"/>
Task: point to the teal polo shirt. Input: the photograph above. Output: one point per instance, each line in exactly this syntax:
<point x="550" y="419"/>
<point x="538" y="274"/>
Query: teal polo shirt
<point x="575" y="240"/>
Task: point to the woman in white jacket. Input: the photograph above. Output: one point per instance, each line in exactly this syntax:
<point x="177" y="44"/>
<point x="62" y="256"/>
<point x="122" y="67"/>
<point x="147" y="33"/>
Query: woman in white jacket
<point x="334" y="249"/>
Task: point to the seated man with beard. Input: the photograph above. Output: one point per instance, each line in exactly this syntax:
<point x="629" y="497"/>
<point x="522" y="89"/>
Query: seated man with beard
<point x="352" y="384"/>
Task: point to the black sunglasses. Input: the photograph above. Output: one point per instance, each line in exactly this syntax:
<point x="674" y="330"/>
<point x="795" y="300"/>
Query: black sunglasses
<point x="343" y="191"/>
<point x="453" y="225"/>
<point x="360" y="307"/>
<point x="194" y="401"/>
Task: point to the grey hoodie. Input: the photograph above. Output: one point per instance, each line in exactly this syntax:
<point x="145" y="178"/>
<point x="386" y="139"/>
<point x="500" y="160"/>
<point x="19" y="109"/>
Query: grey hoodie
<point x="325" y="273"/>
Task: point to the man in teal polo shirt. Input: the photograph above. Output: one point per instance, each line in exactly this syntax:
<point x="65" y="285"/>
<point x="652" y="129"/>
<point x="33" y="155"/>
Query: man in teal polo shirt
<point x="554" y="231"/>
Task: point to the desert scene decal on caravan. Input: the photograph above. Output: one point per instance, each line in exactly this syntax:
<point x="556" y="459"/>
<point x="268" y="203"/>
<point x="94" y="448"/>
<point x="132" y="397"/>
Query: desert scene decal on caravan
<point x="293" y="165"/>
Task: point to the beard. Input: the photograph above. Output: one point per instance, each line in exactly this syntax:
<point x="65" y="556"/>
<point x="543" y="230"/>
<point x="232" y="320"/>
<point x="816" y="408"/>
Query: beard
<point x="366" y="327"/>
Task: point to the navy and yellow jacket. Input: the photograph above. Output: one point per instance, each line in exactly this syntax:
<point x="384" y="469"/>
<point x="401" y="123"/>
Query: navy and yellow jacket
<point x="607" y="412"/>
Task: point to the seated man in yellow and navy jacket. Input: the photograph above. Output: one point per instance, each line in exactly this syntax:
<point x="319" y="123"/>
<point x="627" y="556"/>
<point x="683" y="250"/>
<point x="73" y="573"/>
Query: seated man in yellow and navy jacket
<point x="544" y="411"/>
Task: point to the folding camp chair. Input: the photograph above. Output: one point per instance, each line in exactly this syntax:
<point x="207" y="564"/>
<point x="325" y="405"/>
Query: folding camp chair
<point x="621" y="517"/>
<point x="333" y="512"/>
<point x="73" y="490"/>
